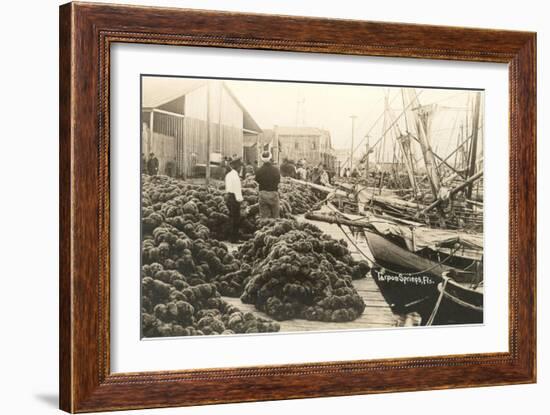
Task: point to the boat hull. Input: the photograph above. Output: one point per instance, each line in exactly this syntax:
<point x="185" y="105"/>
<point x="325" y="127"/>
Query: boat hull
<point x="405" y="293"/>
<point x="459" y="305"/>
<point x="411" y="283"/>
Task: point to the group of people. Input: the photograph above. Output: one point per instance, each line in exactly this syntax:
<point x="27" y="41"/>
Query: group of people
<point x="150" y="165"/>
<point x="317" y="174"/>
<point x="268" y="178"/>
<point x="347" y="172"/>
<point x="243" y="170"/>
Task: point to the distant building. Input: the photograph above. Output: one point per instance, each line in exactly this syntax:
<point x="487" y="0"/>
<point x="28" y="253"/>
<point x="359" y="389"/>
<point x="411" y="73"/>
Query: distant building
<point x="174" y="122"/>
<point x="303" y="143"/>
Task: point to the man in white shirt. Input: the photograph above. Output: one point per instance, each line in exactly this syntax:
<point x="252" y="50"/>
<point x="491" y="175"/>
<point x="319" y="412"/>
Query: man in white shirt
<point x="233" y="189"/>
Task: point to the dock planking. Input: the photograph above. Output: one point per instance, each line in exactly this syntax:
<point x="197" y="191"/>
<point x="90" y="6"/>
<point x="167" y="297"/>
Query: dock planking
<point x="377" y="312"/>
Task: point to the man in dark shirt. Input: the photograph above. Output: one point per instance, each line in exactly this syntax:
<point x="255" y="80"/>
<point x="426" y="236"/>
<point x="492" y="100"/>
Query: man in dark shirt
<point x="288" y="169"/>
<point x="153" y="164"/>
<point x="268" y="178"/>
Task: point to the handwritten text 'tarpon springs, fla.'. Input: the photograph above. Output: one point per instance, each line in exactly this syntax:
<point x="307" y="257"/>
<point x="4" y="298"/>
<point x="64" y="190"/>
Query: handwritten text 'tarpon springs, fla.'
<point x="407" y="279"/>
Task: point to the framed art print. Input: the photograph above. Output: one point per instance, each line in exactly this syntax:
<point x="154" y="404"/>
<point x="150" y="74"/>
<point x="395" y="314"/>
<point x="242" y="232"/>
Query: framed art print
<point x="261" y="207"/>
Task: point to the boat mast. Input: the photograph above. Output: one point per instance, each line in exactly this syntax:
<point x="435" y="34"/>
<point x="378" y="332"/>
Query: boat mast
<point x="367" y="153"/>
<point x="421" y="123"/>
<point x="404" y="141"/>
<point x="473" y="148"/>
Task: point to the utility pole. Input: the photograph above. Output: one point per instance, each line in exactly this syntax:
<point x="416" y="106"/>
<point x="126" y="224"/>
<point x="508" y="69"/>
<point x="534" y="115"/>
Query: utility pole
<point x="353" y="117"/>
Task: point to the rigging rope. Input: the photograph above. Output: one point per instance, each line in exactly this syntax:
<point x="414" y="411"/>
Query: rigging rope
<point x="375" y="123"/>
<point x="438" y="303"/>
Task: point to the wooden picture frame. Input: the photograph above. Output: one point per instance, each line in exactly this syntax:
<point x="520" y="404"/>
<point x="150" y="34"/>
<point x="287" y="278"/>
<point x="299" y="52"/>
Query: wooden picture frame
<point x="86" y="33"/>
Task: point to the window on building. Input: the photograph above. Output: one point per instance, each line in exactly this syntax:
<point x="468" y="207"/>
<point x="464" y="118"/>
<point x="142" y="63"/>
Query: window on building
<point x="296" y="145"/>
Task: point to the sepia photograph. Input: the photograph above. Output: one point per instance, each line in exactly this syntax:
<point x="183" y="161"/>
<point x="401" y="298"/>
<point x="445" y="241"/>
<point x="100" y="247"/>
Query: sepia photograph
<point x="274" y="206"/>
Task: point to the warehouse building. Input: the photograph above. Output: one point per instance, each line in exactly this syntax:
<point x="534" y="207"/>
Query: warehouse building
<point x="303" y="143"/>
<point x="181" y="117"/>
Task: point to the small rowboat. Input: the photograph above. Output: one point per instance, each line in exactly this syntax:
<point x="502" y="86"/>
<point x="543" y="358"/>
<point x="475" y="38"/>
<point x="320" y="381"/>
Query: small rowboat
<point x="458" y="304"/>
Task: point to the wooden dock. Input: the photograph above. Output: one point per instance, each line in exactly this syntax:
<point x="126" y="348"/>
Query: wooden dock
<point x="377" y="312"/>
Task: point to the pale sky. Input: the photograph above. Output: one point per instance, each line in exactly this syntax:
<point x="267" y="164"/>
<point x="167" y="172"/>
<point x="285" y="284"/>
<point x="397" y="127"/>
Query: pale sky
<point x="329" y="106"/>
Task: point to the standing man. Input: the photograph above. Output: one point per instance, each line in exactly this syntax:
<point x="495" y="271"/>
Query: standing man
<point x="170" y="168"/>
<point x="153" y="164"/>
<point x="323" y="175"/>
<point x="287" y="169"/>
<point x="301" y="172"/>
<point x="249" y="170"/>
<point x="268" y="178"/>
<point x="234" y="198"/>
<point x="315" y="175"/>
<point x="238" y="164"/>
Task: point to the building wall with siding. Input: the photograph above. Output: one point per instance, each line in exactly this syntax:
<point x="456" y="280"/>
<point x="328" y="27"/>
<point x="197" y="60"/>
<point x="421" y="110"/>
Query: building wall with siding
<point x="223" y="108"/>
<point x="313" y="148"/>
<point x="188" y="133"/>
<point x="162" y="145"/>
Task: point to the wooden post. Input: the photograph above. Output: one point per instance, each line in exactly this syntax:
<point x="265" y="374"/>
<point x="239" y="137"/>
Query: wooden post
<point x="150" y="138"/>
<point x="220" y="132"/>
<point x="208" y="132"/>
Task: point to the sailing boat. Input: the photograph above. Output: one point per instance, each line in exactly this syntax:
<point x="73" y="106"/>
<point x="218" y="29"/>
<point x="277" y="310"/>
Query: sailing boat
<point x="427" y="250"/>
<point x="415" y="267"/>
<point x="426" y="257"/>
<point x="436" y="272"/>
